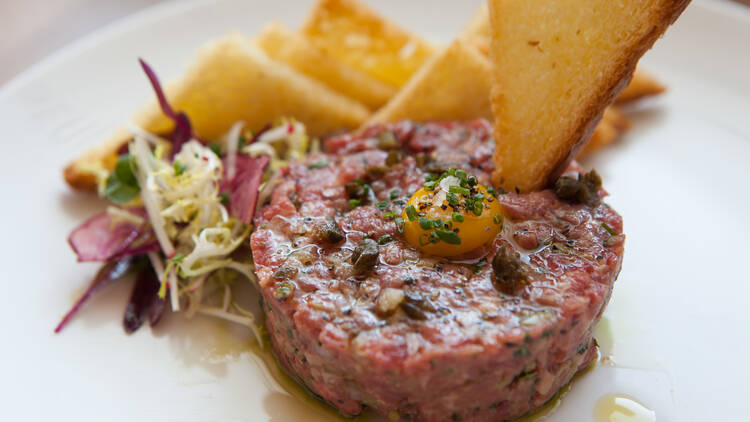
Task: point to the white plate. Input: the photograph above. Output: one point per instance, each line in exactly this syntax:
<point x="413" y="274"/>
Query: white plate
<point x="678" y="319"/>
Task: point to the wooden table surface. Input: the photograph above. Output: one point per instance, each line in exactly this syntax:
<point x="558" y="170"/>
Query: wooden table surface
<point x="33" y="29"/>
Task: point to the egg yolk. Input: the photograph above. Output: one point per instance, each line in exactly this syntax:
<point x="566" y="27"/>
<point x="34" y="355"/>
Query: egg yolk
<point x="451" y="216"/>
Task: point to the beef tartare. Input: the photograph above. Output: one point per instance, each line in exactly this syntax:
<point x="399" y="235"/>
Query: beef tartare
<point x="363" y="316"/>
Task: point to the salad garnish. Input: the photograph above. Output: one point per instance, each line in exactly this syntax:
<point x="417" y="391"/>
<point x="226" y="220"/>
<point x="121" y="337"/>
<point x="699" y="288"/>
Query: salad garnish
<point x="181" y="209"/>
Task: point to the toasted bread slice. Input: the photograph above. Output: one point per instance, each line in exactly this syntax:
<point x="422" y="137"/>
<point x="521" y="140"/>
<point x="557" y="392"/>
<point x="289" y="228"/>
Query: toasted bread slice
<point x="477" y="33"/>
<point x="464" y="77"/>
<point x="641" y="86"/>
<point x="557" y="65"/>
<point x="454" y="85"/>
<point x="613" y="124"/>
<point x="233" y="80"/>
<point x="82" y="173"/>
<point x="355" y="34"/>
<point x="287" y="46"/>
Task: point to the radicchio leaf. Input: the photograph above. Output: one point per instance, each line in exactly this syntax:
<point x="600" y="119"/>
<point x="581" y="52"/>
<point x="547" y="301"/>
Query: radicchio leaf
<point x="109" y="272"/>
<point x="103" y="238"/>
<point x="144" y="301"/>
<point x="183" y="130"/>
<point x="243" y="188"/>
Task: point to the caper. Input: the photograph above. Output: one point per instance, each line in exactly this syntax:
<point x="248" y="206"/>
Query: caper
<point x="508" y="271"/>
<point x="329" y="232"/>
<point x="394" y="157"/>
<point x="354" y="190"/>
<point x="376" y="172"/>
<point x="365" y="256"/>
<point x="387" y="140"/>
<point x="422" y="159"/>
<point x="584" y="190"/>
<point x="284" y="273"/>
<point x="414" y="311"/>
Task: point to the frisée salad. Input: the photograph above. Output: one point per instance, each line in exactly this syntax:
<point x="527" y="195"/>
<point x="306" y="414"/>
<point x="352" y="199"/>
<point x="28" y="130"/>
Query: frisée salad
<point x="180" y="215"/>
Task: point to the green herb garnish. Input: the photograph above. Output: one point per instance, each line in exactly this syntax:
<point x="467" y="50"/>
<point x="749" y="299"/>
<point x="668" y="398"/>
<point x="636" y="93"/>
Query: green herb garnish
<point x="425" y="223"/>
<point x="354" y="203"/>
<point x="385" y="239"/>
<point x="448" y="236"/>
<point x="411" y="213"/>
<point x="457" y="216"/>
<point x="382" y="205"/>
<point x="317" y="165"/>
<point x="121" y="185"/>
<point x="216" y="148"/>
<point x="609" y="230"/>
<point x="179" y="168"/>
<point x="394" y="194"/>
<point x="399" y="224"/>
<point x="459" y="190"/>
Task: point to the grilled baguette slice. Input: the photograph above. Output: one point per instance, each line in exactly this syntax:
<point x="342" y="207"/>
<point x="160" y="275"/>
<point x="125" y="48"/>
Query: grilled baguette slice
<point x="557" y="65"/>
<point x="230" y="80"/>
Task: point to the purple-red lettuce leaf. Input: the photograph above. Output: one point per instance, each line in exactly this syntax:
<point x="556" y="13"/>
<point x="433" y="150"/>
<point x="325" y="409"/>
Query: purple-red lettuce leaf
<point x="103" y="238"/>
<point x="109" y="272"/>
<point x="183" y="130"/>
<point x="242" y="189"/>
<point x="144" y="303"/>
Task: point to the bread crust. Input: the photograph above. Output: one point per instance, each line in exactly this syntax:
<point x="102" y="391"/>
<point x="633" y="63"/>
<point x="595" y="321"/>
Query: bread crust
<point x="591" y="113"/>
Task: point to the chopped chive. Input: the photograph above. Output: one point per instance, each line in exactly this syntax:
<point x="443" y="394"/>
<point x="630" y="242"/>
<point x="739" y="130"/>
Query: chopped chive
<point x="498" y="219"/>
<point x="433" y="237"/>
<point x="452" y="198"/>
<point x="491" y="191"/>
<point x="609" y="230"/>
<point x="429" y="177"/>
<point x="448" y="236"/>
<point x="457" y="216"/>
<point x="459" y="190"/>
<point x="461" y="175"/>
<point x="394" y="194"/>
<point x="399" y="224"/>
<point x="382" y="205"/>
<point x="398" y="202"/>
<point x="354" y="203"/>
<point x="430" y="185"/>
<point x="472" y="181"/>
<point x="478" y="208"/>
<point x="224" y="198"/>
<point x="317" y="165"/>
<point x="386" y="238"/>
<point x="437" y="223"/>
<point x="479" y="197"/>
<point x="179" y="168"/>
<point x="411" y="213"/>
<point x="425" y="223"/>
<point x="389" y="215"/>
